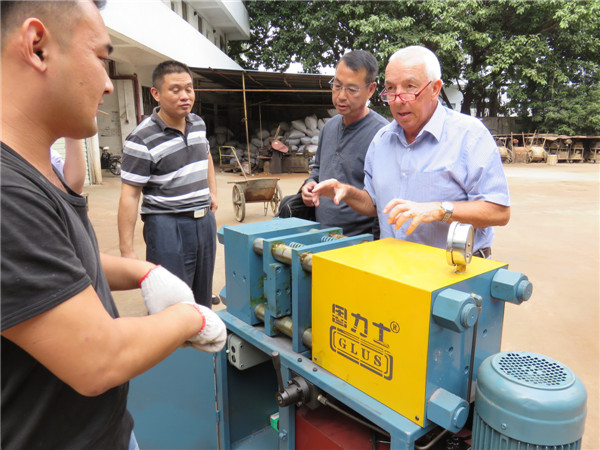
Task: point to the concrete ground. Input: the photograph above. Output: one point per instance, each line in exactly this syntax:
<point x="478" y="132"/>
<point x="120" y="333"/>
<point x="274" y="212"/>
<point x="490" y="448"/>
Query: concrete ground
<point x="552" y="237"/>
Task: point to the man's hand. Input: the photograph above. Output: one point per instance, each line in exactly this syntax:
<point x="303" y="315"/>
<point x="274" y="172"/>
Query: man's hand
<point x="214" y="205"/>
<point x="331" y="188"/>
<point x="307" y="193"/>
<point x="161" y="289"/>
<point x="402" y="210"/>
<point x="212" y="336"/>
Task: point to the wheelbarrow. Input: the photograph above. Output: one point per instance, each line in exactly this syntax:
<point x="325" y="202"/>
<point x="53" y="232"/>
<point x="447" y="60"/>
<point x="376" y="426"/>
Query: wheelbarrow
<point x="255" y="190"/>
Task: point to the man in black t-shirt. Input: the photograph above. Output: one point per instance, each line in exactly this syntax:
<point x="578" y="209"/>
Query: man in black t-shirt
<point x="66" y="355"/>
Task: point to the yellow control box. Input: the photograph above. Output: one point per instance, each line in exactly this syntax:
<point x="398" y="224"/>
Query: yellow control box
<point x="371" y="309"/>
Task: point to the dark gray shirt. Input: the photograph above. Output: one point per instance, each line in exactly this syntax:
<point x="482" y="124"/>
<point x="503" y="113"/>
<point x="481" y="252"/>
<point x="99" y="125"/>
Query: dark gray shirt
<point x="341" y="155"/>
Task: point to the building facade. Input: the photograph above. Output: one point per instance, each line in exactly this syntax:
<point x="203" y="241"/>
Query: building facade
<point x="145" y="33"/>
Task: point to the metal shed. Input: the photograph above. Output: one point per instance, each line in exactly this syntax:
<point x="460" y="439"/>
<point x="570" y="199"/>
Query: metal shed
<point x="244" y="100"/>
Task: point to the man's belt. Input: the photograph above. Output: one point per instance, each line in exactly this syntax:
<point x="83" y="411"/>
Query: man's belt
<point x="196" y="214"/>
<point x="483" y="252"/>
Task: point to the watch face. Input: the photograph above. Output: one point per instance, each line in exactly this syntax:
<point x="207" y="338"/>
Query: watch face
<point x="448" y="210"/>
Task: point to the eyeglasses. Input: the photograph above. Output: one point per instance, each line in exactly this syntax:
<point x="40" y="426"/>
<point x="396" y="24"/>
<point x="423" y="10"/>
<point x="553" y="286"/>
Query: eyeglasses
<point x="335" y="87"/>
<point x="389" y="97"/>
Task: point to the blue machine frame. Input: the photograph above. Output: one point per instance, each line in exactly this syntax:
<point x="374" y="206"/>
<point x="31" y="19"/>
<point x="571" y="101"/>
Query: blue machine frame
<point x="268" y="296"/>
<point x="260" y="277"/>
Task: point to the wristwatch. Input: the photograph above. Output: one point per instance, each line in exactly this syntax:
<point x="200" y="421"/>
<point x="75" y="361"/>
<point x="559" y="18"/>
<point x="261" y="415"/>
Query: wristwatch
<point x="448" y="209"/>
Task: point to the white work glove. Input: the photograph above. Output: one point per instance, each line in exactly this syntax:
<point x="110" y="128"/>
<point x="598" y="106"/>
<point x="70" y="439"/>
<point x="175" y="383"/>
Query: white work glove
<point x="161" y="289"/>
<point x="212" y="336"/>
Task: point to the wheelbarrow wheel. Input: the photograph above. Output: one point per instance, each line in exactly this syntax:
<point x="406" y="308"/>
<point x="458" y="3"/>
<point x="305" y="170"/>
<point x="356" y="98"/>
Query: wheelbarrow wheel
<point x="239" y="203"/>
<point x="509" y="157"/>
<point x="276" y="200"/>
<point x="529" y="156"/>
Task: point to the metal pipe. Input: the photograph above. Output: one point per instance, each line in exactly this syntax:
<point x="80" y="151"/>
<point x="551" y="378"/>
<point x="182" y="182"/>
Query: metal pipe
<point x="290" y="91"/>
<point x="257" y="246"/>
<point x="325" y="401"/>
<point x="259" y="311"/>
<point x="306" y="261"/>
<point x="246" y="123"/>
<point x="307" y="337"/>
<point x="433" y="441"/>
<point x="283" y="253"/>
<point x="284" y="324"/>
<point x="136" y="88"/>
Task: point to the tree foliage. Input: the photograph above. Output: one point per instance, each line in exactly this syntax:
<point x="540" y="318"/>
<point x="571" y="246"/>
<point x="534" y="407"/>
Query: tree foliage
<point x="542" y="55"/>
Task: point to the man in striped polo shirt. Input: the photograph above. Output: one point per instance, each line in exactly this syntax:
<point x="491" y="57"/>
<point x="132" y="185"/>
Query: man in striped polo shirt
<point x="167" y="159"/>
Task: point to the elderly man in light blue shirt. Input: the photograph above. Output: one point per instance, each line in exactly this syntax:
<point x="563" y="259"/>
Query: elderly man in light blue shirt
<point x="430" y="166"/>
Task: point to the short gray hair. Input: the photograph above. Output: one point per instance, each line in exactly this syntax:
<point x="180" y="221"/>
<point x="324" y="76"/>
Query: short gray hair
<point x="416" y="54"/>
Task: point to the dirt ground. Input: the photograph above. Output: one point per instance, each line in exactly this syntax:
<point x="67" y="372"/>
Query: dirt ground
<point x="552" y="237"/>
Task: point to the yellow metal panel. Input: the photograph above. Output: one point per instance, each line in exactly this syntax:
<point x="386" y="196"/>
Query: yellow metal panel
<point x="407" y="262"/>
<point x="371" y="307"/>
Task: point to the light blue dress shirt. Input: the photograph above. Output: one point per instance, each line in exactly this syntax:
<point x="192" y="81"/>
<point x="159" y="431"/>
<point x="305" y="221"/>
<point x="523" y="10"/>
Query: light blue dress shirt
<point x="454" y="158"/>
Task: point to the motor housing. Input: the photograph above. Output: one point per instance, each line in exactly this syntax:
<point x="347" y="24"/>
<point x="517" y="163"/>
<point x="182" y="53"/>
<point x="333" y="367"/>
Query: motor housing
<point x="525" y="399"/>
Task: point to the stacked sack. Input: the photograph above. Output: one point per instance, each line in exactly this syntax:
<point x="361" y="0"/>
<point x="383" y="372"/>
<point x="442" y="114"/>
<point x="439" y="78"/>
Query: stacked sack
<point x="300" y="136"/>
<point x="223" y="136"/>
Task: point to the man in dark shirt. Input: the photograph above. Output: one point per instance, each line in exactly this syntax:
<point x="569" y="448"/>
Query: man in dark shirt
<point x="344" y="141"/>
<point x="66" y="355"/>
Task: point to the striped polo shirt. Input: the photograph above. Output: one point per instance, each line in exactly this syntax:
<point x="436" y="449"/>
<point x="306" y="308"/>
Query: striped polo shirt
<point x="171" y="167"/>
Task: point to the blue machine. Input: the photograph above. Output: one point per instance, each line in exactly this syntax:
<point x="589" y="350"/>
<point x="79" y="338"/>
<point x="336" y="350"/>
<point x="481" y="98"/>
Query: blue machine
<point x="269" y="295"/>
<point x="334" y="337"/>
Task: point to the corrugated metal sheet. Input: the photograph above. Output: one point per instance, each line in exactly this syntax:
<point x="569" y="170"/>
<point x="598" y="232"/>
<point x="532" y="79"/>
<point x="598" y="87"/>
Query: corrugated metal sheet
<point x="285" y="96"/>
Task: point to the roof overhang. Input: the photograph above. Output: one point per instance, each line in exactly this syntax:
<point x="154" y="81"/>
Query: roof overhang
<point x="288" y="95"/>
<point x="230" y="16"/>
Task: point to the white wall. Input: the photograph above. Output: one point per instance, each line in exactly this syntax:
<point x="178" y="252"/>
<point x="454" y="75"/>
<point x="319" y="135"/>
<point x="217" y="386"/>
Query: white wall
<point x="109" y="124"/>
<point x="127" y="118"/>
<point x="454" y="96"/>
<point x="157" y="27"/>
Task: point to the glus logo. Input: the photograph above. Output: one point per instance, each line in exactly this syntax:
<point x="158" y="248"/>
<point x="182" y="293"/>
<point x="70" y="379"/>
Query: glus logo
<point x="361" y="341"/>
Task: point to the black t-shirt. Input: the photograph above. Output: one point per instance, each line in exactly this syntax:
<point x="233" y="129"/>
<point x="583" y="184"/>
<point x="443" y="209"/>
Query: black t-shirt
<point x="49" y="254"/>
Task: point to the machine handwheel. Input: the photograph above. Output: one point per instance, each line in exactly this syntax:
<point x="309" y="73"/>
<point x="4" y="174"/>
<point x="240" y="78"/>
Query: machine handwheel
<point x="239" y="203"/>
<point x="276" y="200"/>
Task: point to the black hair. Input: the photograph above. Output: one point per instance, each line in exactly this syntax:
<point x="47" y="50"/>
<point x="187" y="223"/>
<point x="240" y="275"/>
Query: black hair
<point x="165" y="68"/>
<point x="13" y="13"/>
<point x="361" y="59"/>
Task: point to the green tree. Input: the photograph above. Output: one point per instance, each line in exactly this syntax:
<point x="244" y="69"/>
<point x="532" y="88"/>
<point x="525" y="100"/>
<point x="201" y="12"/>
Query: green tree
<point x="538" y="54"/>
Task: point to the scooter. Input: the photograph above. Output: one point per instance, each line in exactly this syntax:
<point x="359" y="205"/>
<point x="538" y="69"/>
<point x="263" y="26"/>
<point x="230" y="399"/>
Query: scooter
<point x="110" y="161"/>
